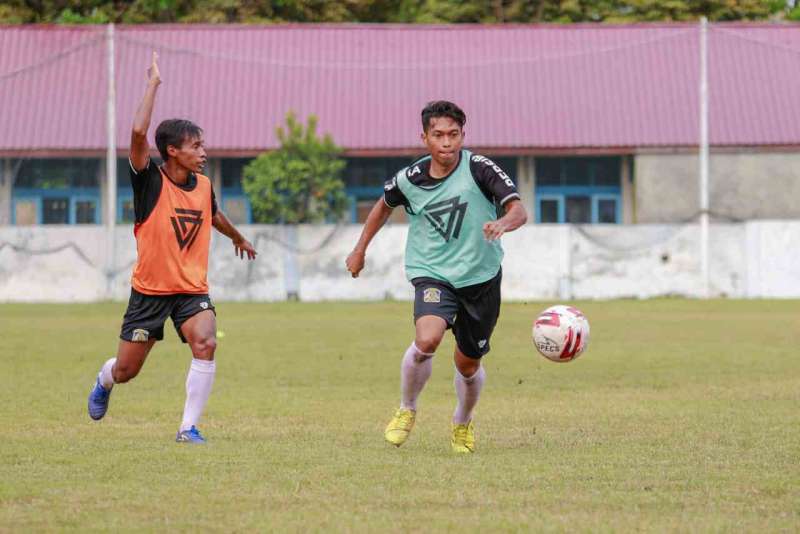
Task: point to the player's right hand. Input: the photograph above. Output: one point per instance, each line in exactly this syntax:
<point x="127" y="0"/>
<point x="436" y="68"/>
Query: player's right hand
<point x="355" y="262"/>
<point x="153" y="73"/>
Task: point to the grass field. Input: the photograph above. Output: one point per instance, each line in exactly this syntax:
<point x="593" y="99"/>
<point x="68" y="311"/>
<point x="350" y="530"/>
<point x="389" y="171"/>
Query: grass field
<point x="682" y="416"/>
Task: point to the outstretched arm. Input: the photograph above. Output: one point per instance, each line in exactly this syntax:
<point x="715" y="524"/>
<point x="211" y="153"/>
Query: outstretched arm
<point x="241" y="245"/>
<point x="140" y="150"/>
<point x="515" y="217"/>
<point x="375" y="221"/>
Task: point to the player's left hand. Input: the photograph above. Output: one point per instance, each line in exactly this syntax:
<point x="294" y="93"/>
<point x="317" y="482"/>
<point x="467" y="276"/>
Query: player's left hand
<point x="494" y="229"/>
<point x="242" y="247"/>
<point x="355" y="262"/>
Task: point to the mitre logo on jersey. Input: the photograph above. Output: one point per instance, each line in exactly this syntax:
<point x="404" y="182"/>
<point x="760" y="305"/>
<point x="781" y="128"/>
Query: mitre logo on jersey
<point x="503" y="176"/>
<point x="446" y="217"/>
<point x="186" y="224"/>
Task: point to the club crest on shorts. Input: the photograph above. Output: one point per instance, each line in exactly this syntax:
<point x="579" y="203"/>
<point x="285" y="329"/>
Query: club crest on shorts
<point x="140" y="335"/>
<point x="204" y="305"/>
<point x="432" y="294"/>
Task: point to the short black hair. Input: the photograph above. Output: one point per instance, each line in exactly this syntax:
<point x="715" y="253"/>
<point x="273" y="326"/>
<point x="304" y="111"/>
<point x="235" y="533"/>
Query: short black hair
<point x="173" y="132"/>
<point x="442" y="108"/>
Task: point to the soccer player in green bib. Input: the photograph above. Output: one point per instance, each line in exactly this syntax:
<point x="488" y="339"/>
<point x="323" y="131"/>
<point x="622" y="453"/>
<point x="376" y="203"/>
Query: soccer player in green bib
<point x="453" y="254"/>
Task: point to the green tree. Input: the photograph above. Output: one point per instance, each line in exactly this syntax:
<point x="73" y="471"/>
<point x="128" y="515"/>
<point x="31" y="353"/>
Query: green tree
<point x="95" y="16"/>
<point x="15" y="13"/>
<point x="409" y="11"/>
<point x="301" y="181"/>
<point x="569" y="11"/>
<point x="146" y="11"/>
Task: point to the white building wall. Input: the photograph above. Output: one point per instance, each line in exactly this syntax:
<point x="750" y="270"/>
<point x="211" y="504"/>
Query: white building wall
<point x="542" y="262"/>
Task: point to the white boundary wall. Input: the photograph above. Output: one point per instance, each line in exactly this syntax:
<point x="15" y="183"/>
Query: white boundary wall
<point x="543" y="262"/>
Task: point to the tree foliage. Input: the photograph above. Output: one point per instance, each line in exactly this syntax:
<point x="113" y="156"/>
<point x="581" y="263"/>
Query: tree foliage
<point x="301" y="181"/>
<point x="411" y="11"/>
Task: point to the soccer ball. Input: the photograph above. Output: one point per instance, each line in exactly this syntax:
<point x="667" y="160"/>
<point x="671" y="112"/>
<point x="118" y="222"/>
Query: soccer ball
<point x="561" y="333"/>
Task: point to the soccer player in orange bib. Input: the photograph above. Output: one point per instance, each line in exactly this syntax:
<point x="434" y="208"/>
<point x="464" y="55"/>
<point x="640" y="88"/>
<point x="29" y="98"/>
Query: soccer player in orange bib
<point x="175" y="208"/>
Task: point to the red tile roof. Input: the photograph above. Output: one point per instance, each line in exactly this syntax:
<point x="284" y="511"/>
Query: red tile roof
<point x="522" y="87"/>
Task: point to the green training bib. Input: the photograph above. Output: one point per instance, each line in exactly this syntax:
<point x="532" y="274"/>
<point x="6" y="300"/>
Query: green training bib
<point x="445" y="235"/>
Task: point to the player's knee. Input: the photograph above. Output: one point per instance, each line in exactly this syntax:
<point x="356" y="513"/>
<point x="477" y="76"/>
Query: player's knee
<point x="124" y="372"/>
<point x="428" y="343"/>
<point x="468" y="368"/>
<point x="211" y="346"/>
<point x="205" y="348"/>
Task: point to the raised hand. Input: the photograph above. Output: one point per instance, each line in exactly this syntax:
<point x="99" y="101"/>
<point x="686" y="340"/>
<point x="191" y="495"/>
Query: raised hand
<point x="153" y="74"/>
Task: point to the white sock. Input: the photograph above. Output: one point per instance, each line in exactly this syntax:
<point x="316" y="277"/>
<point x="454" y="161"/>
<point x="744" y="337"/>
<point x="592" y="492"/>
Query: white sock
<point x="415" y="370"/>
<point x="105" y="376"/>
<point x="468" y="391"/>
<point x="198" y="388"/>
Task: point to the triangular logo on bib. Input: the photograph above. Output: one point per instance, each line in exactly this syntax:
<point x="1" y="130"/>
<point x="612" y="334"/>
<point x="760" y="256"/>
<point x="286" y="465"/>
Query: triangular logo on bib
<point x="186" y="226"/>
<point x="446" y="217"/>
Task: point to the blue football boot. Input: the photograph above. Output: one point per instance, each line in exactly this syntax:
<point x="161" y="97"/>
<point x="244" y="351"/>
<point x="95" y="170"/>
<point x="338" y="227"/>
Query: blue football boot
<point x="98" y="401"/>
<point x="190" y="436"/>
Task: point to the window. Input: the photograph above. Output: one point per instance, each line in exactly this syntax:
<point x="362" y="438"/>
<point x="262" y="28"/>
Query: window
<point x="579" y="209"/>
<point x="58" y="174"/>
<point x="86" y="212"/>
<point x="548" y="171"/>
<point x="607" y="210"/>
<point x="606" y="171"/>
<point x="575" y="172"/>
<point x="548" y="210"/>
<point x="55" y="210"/>
<point x="233" y="172"/>
<point x="372" y="172"/>
<point x="123" y="174"/>
<point x="57" y="191"/>
<point x="578" y="190"/>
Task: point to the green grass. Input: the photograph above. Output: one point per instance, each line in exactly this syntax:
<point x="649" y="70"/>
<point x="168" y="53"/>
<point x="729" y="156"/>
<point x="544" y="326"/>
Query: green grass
<point x="682" y="416"/>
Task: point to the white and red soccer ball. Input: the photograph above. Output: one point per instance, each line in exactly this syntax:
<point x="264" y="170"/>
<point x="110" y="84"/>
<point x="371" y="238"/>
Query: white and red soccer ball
<point x="561" y="333"/>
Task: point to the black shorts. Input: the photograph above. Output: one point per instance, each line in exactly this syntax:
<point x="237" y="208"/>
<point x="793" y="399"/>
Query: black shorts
<point x="146" y="314"/>
<point x="470" y="311"/>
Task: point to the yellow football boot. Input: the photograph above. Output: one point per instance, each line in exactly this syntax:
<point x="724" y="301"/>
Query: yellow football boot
<point x="463" y="441"/>
<point x="400" y="426"/>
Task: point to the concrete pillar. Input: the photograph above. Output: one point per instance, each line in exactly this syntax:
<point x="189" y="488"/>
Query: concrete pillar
<point x="5" y="191"/>
<point x="215" y="169"/>
<point x="526" y="185"/>
<point x="628" y="187"/>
